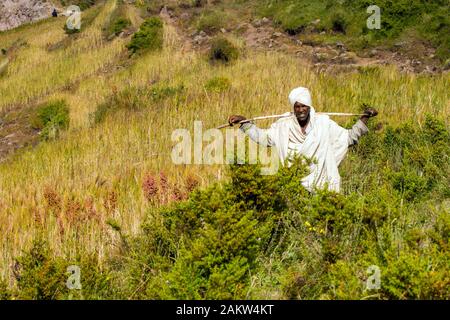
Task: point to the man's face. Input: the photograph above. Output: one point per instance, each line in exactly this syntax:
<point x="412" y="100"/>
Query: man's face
<point x="301" y="111"/>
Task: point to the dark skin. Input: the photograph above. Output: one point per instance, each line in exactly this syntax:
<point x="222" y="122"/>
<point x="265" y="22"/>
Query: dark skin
<point x="301" y="112"/>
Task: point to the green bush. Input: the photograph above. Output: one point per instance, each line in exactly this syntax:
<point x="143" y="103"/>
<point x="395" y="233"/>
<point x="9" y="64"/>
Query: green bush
<point x="223" y="50"/>
<point x="51" y="118"/>
<point x="149" y="36"/>
<point x="339" y="22"/>
<point x="211" y="21"/>
<point x="134" y="99"/>
<point x="5" y="293"/>
<point x="41" y="276"/>
<point x="428" y="19"/>
<point x="218" y="84"/>
<point x="117" y="22"/>
<point x="119" y="25"/>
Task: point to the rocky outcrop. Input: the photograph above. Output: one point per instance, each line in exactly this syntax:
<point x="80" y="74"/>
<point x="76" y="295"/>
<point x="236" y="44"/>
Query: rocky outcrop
<point x="13" y="13"/>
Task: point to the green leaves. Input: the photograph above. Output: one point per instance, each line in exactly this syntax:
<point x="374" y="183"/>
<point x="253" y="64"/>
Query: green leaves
<point x="149" y="37"/>
<point x="51" y="119"/>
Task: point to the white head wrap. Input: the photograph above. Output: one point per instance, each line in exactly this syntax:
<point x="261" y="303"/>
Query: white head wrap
<point x="301" y="95"/>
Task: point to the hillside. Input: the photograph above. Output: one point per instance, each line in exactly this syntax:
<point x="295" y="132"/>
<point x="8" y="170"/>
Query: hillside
<point x="87" y="178"/>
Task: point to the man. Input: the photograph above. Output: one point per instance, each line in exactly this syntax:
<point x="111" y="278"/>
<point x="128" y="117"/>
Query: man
<point x="312" y="135"/>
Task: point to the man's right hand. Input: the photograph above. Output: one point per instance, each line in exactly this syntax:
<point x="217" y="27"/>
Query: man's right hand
<point x="235" y="119"/>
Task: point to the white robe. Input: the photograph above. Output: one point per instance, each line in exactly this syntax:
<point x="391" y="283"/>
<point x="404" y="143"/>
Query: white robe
<point x="326" y="142"/>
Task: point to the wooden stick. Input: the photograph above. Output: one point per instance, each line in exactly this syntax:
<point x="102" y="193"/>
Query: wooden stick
<point x="290" y="114"/>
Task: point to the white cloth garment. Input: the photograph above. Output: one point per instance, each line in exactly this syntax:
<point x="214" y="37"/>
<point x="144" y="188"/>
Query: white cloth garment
<point x="324" y="141"/>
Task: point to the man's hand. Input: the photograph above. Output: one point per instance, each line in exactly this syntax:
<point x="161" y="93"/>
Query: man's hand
<point x="235" y="119"/>
<point x="368" y="113"/>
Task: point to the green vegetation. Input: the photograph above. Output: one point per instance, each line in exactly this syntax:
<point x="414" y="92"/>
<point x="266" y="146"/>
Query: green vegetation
<point x="223" y="50"/>
<point x="117" y="22"/>
<point x="109" y="199"/>
<point x="427" y="20"/>
<point x="261" y="236"/>
<point x="41" y="276"/>
<point x="149" y="37"/>
<point x="134" y="99"/>
<point x="51" y="118"/>
<point x="212" y="21"/>
<point x="218" y="84"/>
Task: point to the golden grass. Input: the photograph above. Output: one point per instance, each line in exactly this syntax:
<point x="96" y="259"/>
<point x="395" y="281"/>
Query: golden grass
<point x="94" y="174"/>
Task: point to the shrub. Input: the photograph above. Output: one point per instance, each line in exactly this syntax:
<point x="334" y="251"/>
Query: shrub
<point x="134" y="99"/>
<point x="339" y="22"/>
<point x="117" y="22"/>
<point x="218" y="84"/>
<point x="211" y="21"/>
<point x="119" y="25"/>
<point x="5" y="293"/>
<point x="51" y="118"/>
<point x="199" y="3"/>
<point x="41" y="276"/>
<point x="149" y="36"/>
<point x="223" y="50"/>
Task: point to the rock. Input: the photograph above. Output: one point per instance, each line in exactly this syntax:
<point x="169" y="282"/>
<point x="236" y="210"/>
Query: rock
<point x="242" y="26"/>
<point x="339" y="45"/>
<point x="265" y="20"/>
<point x="257" y="23"/>
<point x="373" y="52"/>
<point x="446" y="65"/>
<point x="223" y="30"/>
<point x="13" y="13"/>
<point x="277" y="34"/>
<point x="164" y="11"/>
<point x="315" y="22"/>
<point x="9" y="136"/>
<point x="320" y="57"/>
<point x="298" y="42"/>
<point x="202" y="33"/>
<point x="184" y="16"/>
<point x="323" y="32"/>
<point x="198" y="39"/>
